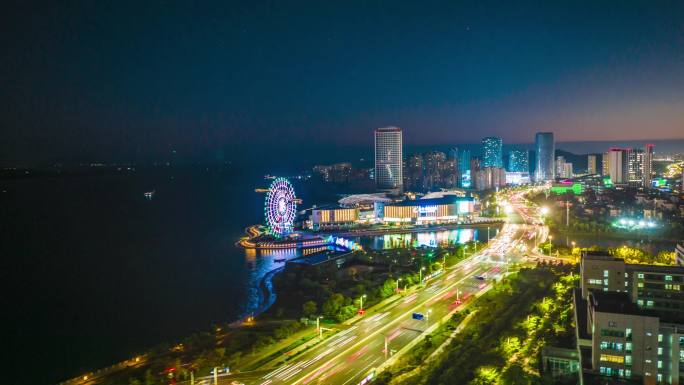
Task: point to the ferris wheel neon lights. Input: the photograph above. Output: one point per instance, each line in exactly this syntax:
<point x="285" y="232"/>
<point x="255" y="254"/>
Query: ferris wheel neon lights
<point x="280" y="207"/>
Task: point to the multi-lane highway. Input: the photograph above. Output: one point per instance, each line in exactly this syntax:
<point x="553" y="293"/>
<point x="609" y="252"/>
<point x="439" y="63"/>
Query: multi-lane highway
<point x="356" y="351"/>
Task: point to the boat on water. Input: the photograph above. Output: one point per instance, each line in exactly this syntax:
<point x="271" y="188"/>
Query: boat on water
<point x="280" y="260"/>
<point x="149" y="194"/>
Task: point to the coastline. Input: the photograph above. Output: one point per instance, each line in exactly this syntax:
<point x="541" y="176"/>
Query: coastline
<point x="268" y="295"/>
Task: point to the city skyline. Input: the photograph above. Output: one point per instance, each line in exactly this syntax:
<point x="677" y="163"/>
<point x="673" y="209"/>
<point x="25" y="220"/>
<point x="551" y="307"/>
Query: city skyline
<point x="343" y="193"/>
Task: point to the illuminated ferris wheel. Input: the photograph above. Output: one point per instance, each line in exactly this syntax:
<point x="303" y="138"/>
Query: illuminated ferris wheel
<point x="280" y="207"/>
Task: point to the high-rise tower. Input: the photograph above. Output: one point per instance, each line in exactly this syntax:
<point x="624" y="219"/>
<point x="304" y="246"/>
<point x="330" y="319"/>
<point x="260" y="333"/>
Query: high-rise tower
<point x="518" y="161"/>
<point x="491" y="148"/>
<point x="545" y="149"/>
<point x="388" y="159"/>
<point x="647" y="173"/>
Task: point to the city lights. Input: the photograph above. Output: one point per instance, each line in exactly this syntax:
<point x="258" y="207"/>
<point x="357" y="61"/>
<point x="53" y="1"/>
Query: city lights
<point x="634" y="224"/>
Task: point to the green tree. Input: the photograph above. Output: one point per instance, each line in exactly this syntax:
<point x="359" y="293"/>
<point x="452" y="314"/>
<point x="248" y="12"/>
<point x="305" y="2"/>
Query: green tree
<point x="332" y="306"/>
<point x="309" y="308"/>
<point x="388" y="288"/>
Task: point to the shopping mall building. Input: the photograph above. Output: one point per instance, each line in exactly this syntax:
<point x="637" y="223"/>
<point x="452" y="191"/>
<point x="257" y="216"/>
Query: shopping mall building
<point x="446" y="209"/>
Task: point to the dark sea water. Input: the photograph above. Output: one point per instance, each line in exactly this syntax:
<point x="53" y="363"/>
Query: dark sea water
<point x="93" y="272"/>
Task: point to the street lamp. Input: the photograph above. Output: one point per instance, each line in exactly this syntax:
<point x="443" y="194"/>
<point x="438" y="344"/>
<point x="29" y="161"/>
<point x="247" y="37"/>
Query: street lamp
<point x="421" y="274"/>
<point x="362" y="297"/>
<point x="318" y="323"/>
<point x="398" y="280"/>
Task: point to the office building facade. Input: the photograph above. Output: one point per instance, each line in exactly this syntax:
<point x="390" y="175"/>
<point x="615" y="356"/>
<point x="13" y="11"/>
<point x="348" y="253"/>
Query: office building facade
<point x="464" y="169"/>
<point x="389" y="160"/>
<point x="635" y="165"/>
<point x="491" y="152"/>
<point x="647" y="167"/>
<point x="545" y="151"/>
<point x="518" y="161"/>
<point x="488" y="178"/>
<point x="591" y="164"/>
<point x="617" y="164"/>
<point x="629" y="319"/>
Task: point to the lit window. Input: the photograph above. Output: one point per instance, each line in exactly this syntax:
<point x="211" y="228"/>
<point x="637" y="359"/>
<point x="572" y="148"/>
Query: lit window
<point x="668" y="286"/>
<point x="681" y="355"/>
<point x="667" y="277"/>
<point x="649" y="303"/>
<point x="625" y="283"/>
<point x="628" y="373"/>
<point x="605" y="289"/>
<point x="626" y="275"/>
<point x="660" y="377"/>
<point x="660" y="364"/>
<point x="640" y="284"/>
<point x="612" y="358"/>
<point x="621" y="372"/>
<point x="628" y="346"/>
<point x="628" y="332"/>
<point x="640" y="275"/>
<point x="605" y="273"/>
<point x="628" y="360"/>
<point x="660" y="351"/>
<point x="660" y="338"/>
<point x="676" y="287"/>
<point x="648" y="361"/>
<point x="640" y="302"/>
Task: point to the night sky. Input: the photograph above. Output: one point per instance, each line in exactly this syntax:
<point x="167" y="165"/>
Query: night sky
<point x="110" y="79"/>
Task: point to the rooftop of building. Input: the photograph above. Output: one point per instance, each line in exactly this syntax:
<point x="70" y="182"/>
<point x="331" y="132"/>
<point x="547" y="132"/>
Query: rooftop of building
<point x="358" y="199"/>
<point x="331" y="206"/>
<point x="388" y="129"/>
<point x="663" y="269"/>
<point x="618" y="303"/>
<point x="599" y="256"/>
<point x="446" y="200"/>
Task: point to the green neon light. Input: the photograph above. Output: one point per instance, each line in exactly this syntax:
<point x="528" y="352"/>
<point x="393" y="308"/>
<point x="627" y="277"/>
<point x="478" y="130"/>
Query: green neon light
<point x="576" y="189"/>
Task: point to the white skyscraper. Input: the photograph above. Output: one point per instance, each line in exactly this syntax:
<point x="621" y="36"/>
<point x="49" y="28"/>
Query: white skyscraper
<point x="388" y="159"/>
<point x="617" y="163"/>
<point x="591" y="164"/>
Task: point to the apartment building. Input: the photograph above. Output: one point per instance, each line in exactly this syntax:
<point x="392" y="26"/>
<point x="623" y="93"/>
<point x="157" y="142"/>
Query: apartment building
<point x="630" y="326"/>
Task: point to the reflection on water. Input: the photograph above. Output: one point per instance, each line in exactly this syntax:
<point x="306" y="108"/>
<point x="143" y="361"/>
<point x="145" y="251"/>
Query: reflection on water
<point x="260" y="262"/>
<point x="428" y="238"/>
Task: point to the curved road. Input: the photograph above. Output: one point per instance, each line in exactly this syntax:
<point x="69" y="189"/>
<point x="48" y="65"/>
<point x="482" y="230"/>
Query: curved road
<point x="357" y="350"/>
